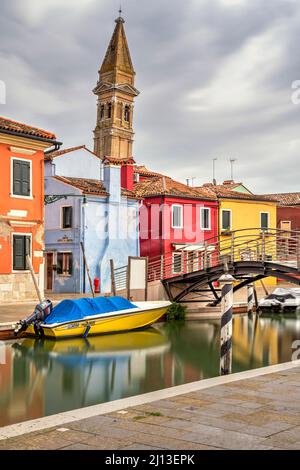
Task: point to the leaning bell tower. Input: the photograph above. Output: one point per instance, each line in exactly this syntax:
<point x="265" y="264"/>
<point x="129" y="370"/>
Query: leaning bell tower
<point x="113" y="135"/>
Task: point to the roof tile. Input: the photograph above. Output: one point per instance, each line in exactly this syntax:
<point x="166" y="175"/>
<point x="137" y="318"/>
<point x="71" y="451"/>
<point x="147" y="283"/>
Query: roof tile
<point x="14" y="126"/>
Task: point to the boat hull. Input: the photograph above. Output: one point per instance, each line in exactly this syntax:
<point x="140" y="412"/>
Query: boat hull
<point x="100" y="325"/>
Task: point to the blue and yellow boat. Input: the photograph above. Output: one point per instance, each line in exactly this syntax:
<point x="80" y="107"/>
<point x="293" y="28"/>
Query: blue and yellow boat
<point x="88" y="317"/>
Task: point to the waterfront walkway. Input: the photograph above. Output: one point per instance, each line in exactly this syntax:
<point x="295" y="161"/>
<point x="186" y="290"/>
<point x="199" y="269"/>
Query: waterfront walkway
<point x="260" y="412"/>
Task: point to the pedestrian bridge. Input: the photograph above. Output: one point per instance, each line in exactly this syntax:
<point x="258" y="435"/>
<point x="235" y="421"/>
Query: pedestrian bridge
<point x="190" y="272"/>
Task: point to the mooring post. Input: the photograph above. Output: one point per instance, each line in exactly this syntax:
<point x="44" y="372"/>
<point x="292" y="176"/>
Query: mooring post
<point x="250" y="299"/>
<point x="226" y="324"/>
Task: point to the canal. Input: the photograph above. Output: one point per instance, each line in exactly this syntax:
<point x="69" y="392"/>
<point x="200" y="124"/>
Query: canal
<point x="40" y="378"/>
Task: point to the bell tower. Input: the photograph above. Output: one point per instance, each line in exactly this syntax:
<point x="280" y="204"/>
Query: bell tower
<point x="113" y="135"/>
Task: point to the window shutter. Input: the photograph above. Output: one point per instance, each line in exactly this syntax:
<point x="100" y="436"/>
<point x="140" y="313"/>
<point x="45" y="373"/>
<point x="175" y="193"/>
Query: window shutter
<point x="25" y="176"/>
<point x="17" y="184"/>
<point x="18" y="253"/>
<point x="21" y="178"/>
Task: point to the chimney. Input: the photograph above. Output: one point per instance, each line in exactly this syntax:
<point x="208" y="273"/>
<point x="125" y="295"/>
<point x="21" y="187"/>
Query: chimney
<point x="127" y="176"/>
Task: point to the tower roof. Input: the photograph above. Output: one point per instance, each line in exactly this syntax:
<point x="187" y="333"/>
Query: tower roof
<point x="117" y="55"/>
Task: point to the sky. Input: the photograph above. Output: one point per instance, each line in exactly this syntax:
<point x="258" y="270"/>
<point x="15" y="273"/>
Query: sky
<point x="215" y="80"/>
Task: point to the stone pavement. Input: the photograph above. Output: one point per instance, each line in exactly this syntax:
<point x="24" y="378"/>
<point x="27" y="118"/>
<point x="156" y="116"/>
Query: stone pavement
<point x="256" y="413"/>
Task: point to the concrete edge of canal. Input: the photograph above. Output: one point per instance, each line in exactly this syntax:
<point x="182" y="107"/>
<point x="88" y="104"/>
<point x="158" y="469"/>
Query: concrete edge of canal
<point x="118" y="405"/>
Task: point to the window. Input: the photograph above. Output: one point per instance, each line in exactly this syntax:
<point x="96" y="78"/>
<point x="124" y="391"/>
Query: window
<point x="109" y="109"/>
<point x="21" y="180"/>
<point x="264" y="220"/>
<point x="127" y="113"/>
<point x="102" y="112"/>
<point x="21" y="248"/>
<point x="177" y="219"/>
<point x="177" y="263"/>
<point x="205" y="218"/>
<point x="64" y="264"/>
<point x="67" y="217"/>
<point x="226" y="220"/>
<point x="286" y="225"/>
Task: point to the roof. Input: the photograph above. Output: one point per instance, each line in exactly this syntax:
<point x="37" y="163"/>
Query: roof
<point x="117" y="55"/>
<point x="24" y="129"/>
<point x="165" y="186"/>
<point x="59" y="153"/>
<point x="143" y="171"/>
<point x="285" y="199"/>
<point x="87" y="186"/>
<point x="92" y="186"/>
<point x="223" y="192"/>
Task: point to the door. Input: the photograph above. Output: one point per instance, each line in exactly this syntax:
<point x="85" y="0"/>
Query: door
<point x="49" y="261"/>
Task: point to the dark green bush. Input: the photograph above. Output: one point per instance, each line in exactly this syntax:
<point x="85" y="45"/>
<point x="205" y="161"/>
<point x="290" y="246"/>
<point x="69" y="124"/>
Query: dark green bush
<point x="176" y="312"/>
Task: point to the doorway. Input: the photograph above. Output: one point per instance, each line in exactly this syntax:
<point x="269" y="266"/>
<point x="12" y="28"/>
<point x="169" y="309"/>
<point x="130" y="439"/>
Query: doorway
<point x="49" y="270"/>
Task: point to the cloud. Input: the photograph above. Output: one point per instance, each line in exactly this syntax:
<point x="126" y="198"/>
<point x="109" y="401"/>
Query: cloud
<point x="215" y="78"/>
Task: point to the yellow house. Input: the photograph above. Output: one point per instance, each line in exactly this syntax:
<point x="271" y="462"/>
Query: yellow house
<point x="243" y="219"/>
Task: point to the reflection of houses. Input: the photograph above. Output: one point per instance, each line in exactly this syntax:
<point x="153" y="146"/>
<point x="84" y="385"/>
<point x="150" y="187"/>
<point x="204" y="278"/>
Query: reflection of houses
<point x="21" y="206"/>
<point x="21" y="388"/>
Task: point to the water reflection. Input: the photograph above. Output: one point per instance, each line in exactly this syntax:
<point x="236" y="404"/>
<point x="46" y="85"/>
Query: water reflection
<point x="44" y="377"/>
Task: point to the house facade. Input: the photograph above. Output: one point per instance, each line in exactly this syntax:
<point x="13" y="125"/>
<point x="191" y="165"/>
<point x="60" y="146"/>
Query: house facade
<point x="288" y="210"/>
<point x="175" y="218"/>
<point x="21" y="207"/>
<point x="91" y="217"/>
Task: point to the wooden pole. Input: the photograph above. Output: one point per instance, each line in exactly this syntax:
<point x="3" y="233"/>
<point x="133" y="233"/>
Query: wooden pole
<point x="264" y="287"/>
<point x="112" y="278"/>
<point x="226" y="324"/>
<point x="87" y="269"/>
<point x="33" y="276"/>
<point x="250" y="299"/>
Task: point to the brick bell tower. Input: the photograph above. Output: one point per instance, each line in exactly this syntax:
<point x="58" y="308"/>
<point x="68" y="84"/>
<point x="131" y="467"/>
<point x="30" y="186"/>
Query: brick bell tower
<point x="113" y="135"/>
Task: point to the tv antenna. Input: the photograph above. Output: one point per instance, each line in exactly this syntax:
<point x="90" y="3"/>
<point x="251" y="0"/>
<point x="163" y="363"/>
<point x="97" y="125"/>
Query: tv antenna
<point x="232" y="161"/>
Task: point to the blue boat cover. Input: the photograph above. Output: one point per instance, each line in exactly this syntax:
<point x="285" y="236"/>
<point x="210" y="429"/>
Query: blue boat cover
<point x="69" y="310"/>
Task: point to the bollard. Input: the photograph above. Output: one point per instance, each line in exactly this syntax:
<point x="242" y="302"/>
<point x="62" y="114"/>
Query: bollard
<point x="226" y="324"/>
<point x="250" y="299"/>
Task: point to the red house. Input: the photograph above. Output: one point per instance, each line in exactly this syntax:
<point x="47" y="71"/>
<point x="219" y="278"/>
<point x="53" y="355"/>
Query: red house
<point x="176" y="220"/>
<point x="288" y="210"/>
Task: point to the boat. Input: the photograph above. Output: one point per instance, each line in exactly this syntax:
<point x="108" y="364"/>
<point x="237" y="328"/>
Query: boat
<point x="281" y="301"/>
<point x="87" y="317"/>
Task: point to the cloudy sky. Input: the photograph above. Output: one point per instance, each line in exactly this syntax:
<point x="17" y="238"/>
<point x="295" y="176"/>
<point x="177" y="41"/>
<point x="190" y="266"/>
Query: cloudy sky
<point x="215" y="78"/>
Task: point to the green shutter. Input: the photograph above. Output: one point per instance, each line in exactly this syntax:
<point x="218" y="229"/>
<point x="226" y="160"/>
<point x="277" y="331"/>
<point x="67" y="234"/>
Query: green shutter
<point x="21" y="178"/>
<point x="21" y="248"/>
<point x="18" y="253"/>
<point x="17" y="177"/>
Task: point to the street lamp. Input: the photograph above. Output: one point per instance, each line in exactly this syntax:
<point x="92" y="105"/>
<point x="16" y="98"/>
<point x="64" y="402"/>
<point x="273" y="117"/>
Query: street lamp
<point x="51" y="198"/>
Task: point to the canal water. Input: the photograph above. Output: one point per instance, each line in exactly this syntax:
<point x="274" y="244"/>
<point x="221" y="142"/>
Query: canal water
<point x="40" y="378"/>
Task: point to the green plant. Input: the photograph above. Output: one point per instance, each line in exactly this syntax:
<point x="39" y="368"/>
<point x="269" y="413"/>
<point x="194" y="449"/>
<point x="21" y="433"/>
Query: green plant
<point x="176" y="312"/>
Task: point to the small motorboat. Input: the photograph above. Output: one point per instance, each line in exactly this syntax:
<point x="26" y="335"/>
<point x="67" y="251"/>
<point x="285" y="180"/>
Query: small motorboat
<point x="90" y="316"/>
<point x="281" y="300"/>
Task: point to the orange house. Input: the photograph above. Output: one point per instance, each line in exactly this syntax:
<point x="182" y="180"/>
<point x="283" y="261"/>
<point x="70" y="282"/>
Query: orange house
<point x="21" y="207"/>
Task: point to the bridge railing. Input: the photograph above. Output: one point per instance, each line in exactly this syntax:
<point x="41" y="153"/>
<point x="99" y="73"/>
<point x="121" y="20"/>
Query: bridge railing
<point x="255" y="244"/>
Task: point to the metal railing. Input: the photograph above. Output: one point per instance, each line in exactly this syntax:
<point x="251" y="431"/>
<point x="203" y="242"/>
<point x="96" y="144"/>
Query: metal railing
<point x="257" y="245"/>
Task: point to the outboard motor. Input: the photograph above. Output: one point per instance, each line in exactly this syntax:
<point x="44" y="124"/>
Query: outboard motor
<point x="38" y="316"/>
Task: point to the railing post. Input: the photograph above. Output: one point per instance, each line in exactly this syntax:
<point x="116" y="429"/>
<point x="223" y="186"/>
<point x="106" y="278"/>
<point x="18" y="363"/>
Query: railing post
<point x="250" y="299"/>
<point x="161" y="266"/>
<point x="232" y="247"/>
<point x="226" y="324"/>
<point x="298" y="252"/>
<point x="263" y="246"/>
<point x="205" y="256"/>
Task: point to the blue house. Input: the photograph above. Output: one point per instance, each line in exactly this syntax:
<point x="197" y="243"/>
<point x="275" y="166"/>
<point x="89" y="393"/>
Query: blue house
<point x="96" y="212"/>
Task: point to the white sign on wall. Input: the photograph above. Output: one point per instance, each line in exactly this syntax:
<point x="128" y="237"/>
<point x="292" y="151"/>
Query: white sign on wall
<point x="137" y="274"/>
